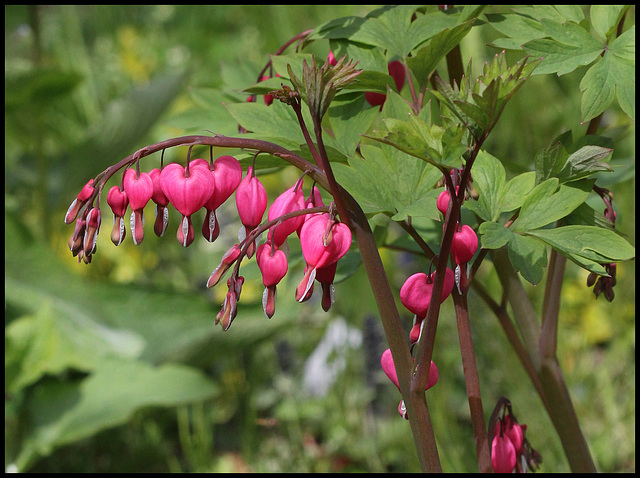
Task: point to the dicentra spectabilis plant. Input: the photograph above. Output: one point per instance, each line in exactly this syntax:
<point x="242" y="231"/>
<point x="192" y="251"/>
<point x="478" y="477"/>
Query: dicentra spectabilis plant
<point x="395" y="124"/>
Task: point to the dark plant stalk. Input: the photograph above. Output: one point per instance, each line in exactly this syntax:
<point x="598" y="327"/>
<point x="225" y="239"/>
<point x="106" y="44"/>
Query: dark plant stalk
<point x="473" y="383"/>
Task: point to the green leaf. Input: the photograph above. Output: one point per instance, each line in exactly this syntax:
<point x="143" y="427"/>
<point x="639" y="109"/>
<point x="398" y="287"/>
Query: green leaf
<point x="613" y="75"/>
<point x="528" y="256"/>
<point x="384" y="179"/>
<point x="425" y="61"/>
<point x="569" y="47"/>
<point x="584" y="162"/>
<point x="515" y="192"/>
<point x="589" y="242"/>
<point x="275" y="121"/>
<point x="494" y="197"/>
<point x="605" y="19"/>
<point x="64" y="412"/>
<point x="494" y="235"/>
<point x="349" y="122"/>
<point x="47" y="343"/>
<point x="587" y="246"/>
<point x="548" y="203"/>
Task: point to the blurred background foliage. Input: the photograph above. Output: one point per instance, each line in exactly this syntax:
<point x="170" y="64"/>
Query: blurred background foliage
<point x="117" y="366"/>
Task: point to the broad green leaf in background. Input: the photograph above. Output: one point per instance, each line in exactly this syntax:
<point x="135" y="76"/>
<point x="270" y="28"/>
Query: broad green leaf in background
<point x="425" y="61"/>
<point x="548" y="202"/>
<point x="528" y="256"/>
<point x="384" y="179"/>
<point x="494" y="197"/>
<point x="349" y="122"/>
<point x="611" y="76"/>
<point x="588" y="246"/>
<point x="64" y="412"/>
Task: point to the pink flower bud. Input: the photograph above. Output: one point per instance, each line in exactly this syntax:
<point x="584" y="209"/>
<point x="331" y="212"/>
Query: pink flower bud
<point x="503" y="454"/>
<point x="443" y="202"/>
<point x="464" y="245"/>
<point x="84" y="194"/>
<point x="272" y="263"/>
<point x="251" y="200"/>
<point x="94" y="218"/>
<point x="396" y="70"/>
<point x="228" y="259"/>
<point x="415" y="293"/>
<point x="386" y="361"/>
<point x="139" y="189"/>
<point x="290" y="200"/>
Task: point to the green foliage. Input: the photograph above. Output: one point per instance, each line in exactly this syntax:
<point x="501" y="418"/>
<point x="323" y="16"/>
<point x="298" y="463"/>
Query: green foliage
<point x="120" y="358"/>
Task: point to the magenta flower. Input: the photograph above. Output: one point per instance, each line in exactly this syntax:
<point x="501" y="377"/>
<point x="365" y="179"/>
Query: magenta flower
<point x="415" y="293"/>
<point x="227" y="174"/>
<point x="325" y="275"/>
<point x="226" y="262"/>
<point x="161" y="201"/>
<point x="323" y="242"/>
<point x="503" y="454"/>
<point x="84" y="194"/>
<point x="273" y="266"/>
<point x="464" y="245"/>
<point x="118" y="201"/>
<point x="187" y="188"/>
<point x="92" y="227"/>
<point x="139" y="189"/>
<point x="389" y="368"/>
<point x="251" y="200"/>
<point x="290" y="200"/>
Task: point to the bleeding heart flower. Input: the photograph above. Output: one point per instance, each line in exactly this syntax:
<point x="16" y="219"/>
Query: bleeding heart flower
<point x="415" y="293"/>
<point x="273" y="266"/>
<point x="139" y="189"/>
<point x="84" y="194"/>
<point x="251" y="200"/>
<point x="118" y="201"/>
<point x="325" y="275"/>
<point x="323" y="242"/>
<point x="290" y="200"/>
<point x="227" y="174"/>
<point x="386" y="361"/>
<point x="161" y="201"/>
<point x="187" y="188"/>
<point x="503" y="454"/>
<point x="92" y="227"/>
<point x="464" y="245"/>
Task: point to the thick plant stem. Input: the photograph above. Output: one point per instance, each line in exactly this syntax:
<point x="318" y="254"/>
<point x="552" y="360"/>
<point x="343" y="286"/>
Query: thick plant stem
<point x="416" y="404"/>
<point x="473" y="383"/>
<point x="559" y="405"/>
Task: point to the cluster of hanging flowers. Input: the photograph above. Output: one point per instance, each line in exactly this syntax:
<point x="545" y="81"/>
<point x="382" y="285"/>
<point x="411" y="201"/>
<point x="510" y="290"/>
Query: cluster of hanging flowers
<point x="206" y="185"/>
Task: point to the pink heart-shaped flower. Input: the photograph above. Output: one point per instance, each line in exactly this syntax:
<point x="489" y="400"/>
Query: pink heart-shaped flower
<point x="415" y="293"/>
<point x="186" y="193"/>
<point x="290" y="200"/>
<point x="272" y="266"/>
<point x="503" y="454"/>
<point x="315" y="233"/>
<point x="386" y="361"/>
<point x="464" y="245"/>
<point x="227" y="174"/>
<point x="139" y="188"/>
<point x="251" y="200"/>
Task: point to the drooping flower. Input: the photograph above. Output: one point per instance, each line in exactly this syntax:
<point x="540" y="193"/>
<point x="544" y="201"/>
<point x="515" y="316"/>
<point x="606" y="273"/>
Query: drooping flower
<point x="389" y="368"/>
<point x="118" y="202"/>
<point x="323" y="242"/>
<point x="251" y="200"/>
<point x="290" y="200"/>
<point x="464" y="245"/>
<point x="503" y="454"/>
<point x="227" y="174"/>
<point x="84" y="194"/>
<point x="415" y="293"/>
<point x="273" y="266"/>
<point x="161" y="201"/>
<point x="187" y="188"/>
<point x="139" y="189"/>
